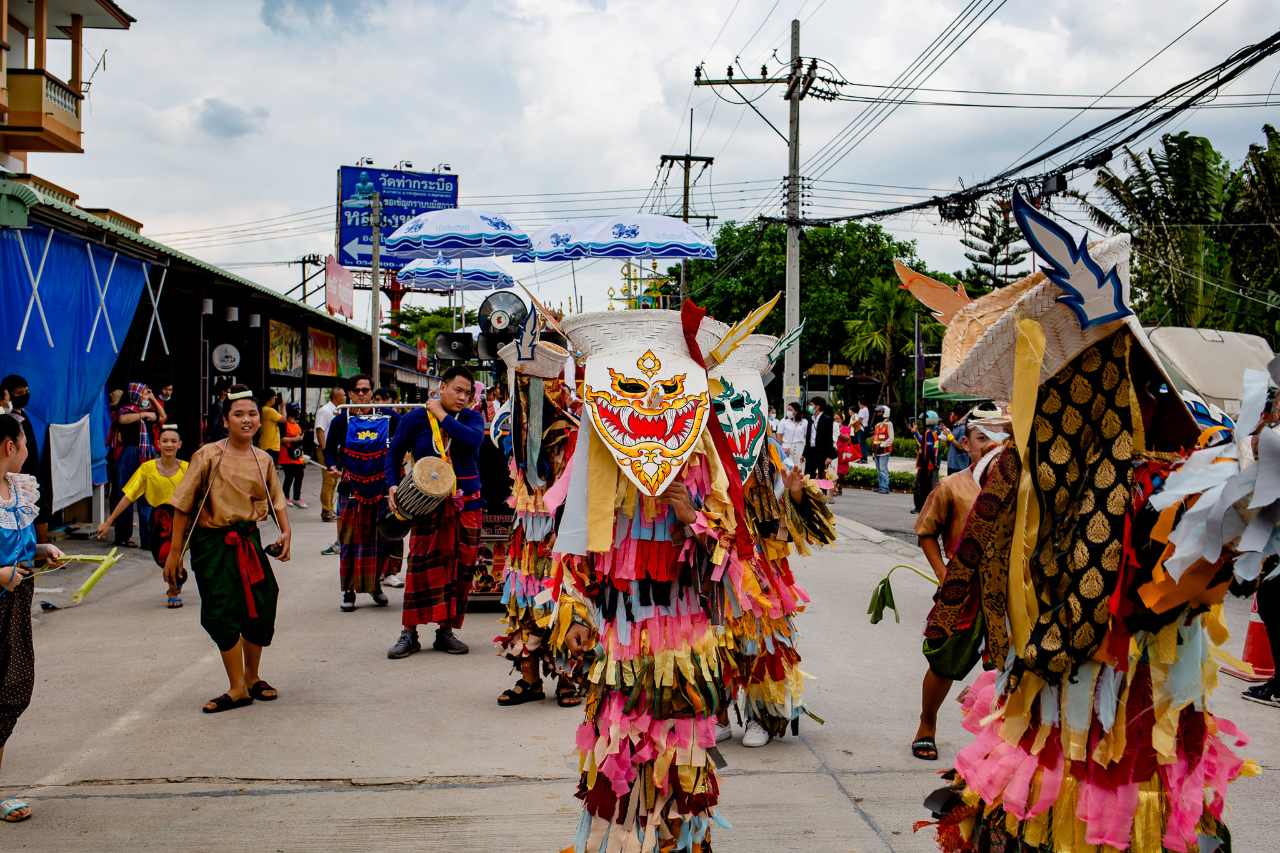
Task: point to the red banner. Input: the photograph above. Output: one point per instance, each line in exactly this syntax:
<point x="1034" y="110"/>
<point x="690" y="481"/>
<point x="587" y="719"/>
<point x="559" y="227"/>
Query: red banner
<point x="338" y="289"/>
<point x="424" y="364"/>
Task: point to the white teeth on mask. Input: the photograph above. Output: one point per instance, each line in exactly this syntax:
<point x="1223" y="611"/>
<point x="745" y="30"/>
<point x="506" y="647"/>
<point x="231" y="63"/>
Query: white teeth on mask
<point x="670" y="417"/>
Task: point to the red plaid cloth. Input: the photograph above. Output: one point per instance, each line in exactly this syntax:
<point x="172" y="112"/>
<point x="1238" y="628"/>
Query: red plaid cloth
<point x="443" y="551"/>
<point x="365" y="557"/>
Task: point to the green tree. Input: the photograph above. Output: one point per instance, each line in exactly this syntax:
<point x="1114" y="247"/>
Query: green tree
<point x="996" y="251"/>
<point x="1170" y="201"/>
<point x="837" y="266"/>
<point x="413" y="323"/>
<point x="1251" y="232"/>
<point x="882" y="330"/>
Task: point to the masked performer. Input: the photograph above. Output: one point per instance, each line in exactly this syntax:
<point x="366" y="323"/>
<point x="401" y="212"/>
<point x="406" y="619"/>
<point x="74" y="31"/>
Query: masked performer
<point x="357" y="450"/>
<point x="1100" y="610"/>
<point x="649" y="521"/>
<point x="783" y="510"/>
<point x="541" y="436"/>
<point x="229" y="487"/>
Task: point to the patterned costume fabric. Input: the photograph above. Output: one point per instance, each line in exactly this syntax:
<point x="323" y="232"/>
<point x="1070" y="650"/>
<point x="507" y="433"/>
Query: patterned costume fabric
<point x="443" y="548"/>
<point x="1094" y="733"/>
<point x="17" y="653"/>
<point x="365" y="557"/>
<point x="528" y="569"/>
<point x="649" y="585"/>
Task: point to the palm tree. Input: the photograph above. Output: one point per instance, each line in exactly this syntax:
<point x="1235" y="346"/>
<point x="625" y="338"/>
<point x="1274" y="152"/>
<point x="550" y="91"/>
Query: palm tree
<point x="1169" y="200"/>
<point x="883" y="329"/>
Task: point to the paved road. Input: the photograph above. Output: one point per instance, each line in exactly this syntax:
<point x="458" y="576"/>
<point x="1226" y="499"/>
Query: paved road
<point x="889" y="513"/>
<point x="366" y="754"/>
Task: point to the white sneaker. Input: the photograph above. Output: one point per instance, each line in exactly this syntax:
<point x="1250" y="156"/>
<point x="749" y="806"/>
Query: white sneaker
<point x="300" y="505"/>
<point x="394" y="581"/>
<point x="755" y="735"/>
<point x="723" y="733"/>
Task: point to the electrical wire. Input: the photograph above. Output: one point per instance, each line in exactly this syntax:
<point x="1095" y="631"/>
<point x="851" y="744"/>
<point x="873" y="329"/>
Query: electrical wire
<point x="885" y="111"/>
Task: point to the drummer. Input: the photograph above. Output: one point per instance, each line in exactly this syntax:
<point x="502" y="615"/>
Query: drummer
<point x="443" y="545"/>
<point x="357" y="451"/>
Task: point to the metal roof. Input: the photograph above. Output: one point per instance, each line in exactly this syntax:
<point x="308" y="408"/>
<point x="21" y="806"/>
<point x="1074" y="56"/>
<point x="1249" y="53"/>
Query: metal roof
<point x="31" y="197"/>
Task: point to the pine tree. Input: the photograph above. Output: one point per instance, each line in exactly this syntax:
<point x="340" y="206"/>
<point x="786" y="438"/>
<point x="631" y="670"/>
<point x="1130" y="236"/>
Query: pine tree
<point x="996" y="250"/>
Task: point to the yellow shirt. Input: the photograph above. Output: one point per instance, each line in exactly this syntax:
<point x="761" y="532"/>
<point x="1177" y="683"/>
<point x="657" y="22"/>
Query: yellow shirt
<point x="269" y="435"/>
<point x="148" y="482"/>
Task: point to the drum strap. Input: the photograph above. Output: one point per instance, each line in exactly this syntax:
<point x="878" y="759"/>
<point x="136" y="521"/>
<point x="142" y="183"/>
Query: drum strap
<point x="437" y="438"/>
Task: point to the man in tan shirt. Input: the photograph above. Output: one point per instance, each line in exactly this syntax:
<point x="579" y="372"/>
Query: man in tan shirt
<point x="943" y="516"/>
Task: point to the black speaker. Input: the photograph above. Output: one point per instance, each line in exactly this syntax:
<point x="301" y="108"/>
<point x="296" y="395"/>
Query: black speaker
<point x="455" y="346"/>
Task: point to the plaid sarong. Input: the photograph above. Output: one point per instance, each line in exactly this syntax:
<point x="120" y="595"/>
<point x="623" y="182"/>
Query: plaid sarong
<point x="365" y="558"/>
<point x="443" y="551"/>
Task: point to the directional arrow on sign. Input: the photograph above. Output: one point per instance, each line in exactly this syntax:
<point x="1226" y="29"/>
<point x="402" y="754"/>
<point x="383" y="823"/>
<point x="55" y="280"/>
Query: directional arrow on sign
<point x="355" y="249"/>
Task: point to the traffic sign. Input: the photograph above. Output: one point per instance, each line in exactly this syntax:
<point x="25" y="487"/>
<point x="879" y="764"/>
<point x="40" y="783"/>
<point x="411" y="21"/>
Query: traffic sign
<point x="404" y="196"/>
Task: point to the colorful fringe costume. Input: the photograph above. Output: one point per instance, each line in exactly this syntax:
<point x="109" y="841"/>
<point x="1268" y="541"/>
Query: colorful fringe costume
<point x="543" y="433"/>
<point x="1094" y="734"/>
<point x="759" y="636"/>
<point x="648" y="583"/>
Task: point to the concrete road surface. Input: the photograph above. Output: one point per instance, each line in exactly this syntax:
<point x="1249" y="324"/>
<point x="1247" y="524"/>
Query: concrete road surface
<point x="366" y="754"/>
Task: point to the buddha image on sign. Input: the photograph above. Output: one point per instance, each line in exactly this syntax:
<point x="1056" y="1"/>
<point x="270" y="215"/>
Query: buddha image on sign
<point x="649" y="410"/>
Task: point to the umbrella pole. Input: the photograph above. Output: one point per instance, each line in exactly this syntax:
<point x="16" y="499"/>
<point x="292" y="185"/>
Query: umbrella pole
<point x="577" y="305"/>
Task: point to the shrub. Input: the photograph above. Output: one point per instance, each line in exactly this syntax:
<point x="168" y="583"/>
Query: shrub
<point x="860" y="477"/>
<point x="905" y="446"/>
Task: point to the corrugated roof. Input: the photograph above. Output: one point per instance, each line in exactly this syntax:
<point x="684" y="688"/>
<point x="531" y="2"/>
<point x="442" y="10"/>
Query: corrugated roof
<point x="31" y="197"/>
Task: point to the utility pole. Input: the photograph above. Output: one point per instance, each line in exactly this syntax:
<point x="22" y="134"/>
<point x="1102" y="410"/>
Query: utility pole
<point x="686" y="161"/>
<point x="798" y="80"/>
<point x="375" y="288"/>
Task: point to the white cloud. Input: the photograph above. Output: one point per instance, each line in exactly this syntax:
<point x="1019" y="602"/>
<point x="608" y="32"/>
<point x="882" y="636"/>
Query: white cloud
<point x="209" y="115"/>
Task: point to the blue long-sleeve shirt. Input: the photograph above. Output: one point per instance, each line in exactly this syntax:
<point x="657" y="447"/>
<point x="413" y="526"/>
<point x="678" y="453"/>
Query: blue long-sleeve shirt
<point x="465" y="431"/>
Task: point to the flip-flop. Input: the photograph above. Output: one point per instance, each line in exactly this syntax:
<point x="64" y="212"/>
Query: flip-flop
<point x="9" y="807"/>
<point x="225" y="703"/>
<point x="173" y="602"/>
<point x="568" y="696"/>
<point x="925" y="748"/>
<point x="263" y="692"/>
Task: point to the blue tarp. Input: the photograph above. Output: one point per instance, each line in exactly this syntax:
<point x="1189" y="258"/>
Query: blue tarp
<point x="68" y="379"/>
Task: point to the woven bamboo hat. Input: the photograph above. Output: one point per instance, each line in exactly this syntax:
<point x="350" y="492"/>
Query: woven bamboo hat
<point x="547" y="362"/>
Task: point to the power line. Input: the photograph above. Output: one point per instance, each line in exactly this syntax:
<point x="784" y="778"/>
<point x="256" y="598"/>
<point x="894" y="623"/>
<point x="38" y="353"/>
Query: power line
<point x="998" y="106"/>
<point x="885" y="111"/>
<point x="1124" y="79"/>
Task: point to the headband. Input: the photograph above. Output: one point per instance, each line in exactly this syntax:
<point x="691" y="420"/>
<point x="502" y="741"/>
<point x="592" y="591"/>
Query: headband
<point x="169" y="427"/>
<point x="991" y="434"/>
<point x="240" y="395"/>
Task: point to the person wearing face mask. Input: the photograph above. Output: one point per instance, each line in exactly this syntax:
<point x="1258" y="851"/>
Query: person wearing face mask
<point x="882" y="446"/>
<point x="793" y="432"/>
<point x="19" y="394"/>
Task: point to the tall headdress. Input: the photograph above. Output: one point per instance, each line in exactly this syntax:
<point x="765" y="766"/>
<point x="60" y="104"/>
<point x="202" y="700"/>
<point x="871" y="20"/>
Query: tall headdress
<point x="645" y="396"/>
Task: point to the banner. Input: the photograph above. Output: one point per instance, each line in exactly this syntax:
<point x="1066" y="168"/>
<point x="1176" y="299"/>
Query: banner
<point x="424" y="363"/>
<point x="285" y="356"/>
<point x="338" y="289"/>
<point x="348" y="358"/>
<point x="322" y="354"/>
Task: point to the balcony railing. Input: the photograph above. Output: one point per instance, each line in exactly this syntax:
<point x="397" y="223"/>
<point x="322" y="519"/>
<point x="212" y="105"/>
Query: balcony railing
<point x="44" y="113"/>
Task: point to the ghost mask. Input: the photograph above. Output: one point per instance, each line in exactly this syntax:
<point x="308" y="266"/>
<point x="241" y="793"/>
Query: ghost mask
<point x="738" y="399"/>
<point x="645" y="396"/>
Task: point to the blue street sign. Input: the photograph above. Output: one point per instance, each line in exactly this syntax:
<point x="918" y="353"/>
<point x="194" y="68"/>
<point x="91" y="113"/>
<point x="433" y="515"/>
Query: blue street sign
<point x="404" y="196"/>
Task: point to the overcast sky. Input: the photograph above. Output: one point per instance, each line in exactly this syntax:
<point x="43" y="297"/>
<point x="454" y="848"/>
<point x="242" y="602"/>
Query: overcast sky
<point x="213" y="114"/>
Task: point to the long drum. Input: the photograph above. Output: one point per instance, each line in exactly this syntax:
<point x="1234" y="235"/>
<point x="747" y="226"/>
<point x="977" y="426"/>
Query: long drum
<point x="425" y="488"/>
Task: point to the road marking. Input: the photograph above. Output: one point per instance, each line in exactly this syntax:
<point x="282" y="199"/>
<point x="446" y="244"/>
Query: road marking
<point x="96" y="744"/>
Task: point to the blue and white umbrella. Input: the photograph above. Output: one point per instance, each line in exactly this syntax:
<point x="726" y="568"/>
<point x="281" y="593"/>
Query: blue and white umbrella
<point x="556" y="242"/>
<point x="457" y="232"/>
<point x="442" y="275"/>
<point x="642" y="235"/>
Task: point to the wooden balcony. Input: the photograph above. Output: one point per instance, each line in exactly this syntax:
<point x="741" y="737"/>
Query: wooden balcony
<point x="44" y="114"/>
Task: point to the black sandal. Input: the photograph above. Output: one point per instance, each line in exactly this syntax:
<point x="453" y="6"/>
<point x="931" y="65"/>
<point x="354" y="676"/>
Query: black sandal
<point x="263" y="692"/>
<point x="925" y="748"/>
<point x="522" y="692"/>
<point x="568" y="695"/>
<point x="225" y="703"/>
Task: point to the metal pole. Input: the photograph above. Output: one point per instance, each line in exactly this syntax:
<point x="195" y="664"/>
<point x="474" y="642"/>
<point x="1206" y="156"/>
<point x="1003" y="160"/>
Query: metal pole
<point x="916" y="360"/>
<point x="791" y="367"/>
<point x="688" y="164"/>
<point x="375" y="308"/>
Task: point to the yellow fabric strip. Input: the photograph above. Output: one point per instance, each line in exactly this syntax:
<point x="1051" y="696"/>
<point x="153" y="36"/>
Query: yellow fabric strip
<point x="1028" y="358"/>
<point x="602" y="486"/>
